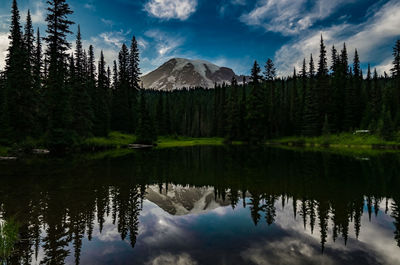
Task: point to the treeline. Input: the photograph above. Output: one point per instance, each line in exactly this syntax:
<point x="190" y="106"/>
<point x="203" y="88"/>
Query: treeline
<point x="63" y="98"/>
<point x="316" y="100"/>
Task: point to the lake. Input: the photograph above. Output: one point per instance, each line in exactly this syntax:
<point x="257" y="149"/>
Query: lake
<point x="205" y="205"/>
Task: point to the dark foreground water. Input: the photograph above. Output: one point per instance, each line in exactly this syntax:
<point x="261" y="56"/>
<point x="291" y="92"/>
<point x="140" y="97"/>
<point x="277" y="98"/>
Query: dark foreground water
<point x="205" y="205"/>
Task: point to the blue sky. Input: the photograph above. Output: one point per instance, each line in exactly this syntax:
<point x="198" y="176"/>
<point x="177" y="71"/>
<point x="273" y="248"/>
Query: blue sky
<point x="230" y="33"/>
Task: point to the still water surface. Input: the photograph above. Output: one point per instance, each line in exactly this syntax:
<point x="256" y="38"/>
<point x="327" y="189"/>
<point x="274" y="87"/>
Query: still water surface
<point x="205" y="205"/>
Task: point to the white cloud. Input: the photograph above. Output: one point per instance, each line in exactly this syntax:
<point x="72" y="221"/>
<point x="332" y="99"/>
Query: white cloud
<point x="167" y="9"/>
<point x="142" y="43"/>
<point x="38" y="13"/>
<point x="166" y="46"/>
<point x="289" y="17"/>
<point x="170" y="259"/>
<point x="370" y="38"/>
<point x="4" y="41"/>
<point x="385" y="66"/>
<point x="113" y="38"/>
<point x="236" y="65"/>
<point x="90" y="6"/>
<point x="110" y="43"/>
<point x="108" y="22"/>
<point x="292" y="54"/>
<point x="4" y="22"/>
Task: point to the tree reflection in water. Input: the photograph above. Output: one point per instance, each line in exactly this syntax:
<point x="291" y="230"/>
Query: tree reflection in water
<point x="60" y="202"/>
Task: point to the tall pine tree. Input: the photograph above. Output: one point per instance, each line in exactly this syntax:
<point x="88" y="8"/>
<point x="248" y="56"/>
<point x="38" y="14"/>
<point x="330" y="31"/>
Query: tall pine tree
<point x="121" y="106"/>
<point x="60" y="136"/>
<point x="256" y="107"/>
<point x="82" y="112"/>
<point x="311" y="118"/>
<point x="134" y="78"/>
<point x="18" y="108"/>
<point x="102" y="99"/>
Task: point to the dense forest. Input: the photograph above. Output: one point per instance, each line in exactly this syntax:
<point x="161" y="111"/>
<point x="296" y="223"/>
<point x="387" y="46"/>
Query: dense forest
<point x="47" y="93"/>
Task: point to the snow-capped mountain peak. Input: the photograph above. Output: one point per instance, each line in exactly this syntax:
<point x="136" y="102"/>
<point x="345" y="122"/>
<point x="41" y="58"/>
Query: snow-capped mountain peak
<point x="181" y="73"/>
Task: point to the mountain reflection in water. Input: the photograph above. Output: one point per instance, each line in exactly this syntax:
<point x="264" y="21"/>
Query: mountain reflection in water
<point x="205" y="205"/>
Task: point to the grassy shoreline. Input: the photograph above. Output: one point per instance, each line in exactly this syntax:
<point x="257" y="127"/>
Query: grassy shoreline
<point x="117" y="140"/>
<point x="344" y="141"/>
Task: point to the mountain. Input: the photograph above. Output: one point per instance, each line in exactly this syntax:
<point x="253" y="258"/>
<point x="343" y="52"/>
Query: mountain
<point x="178" y="73"/>
<point x="179" y="200"/>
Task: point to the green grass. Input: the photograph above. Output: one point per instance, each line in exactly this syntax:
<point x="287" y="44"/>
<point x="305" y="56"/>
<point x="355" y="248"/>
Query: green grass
<point x="117" y="140"/>
<point x="343" y="140"/>
<point x="4" y="150"/>
<point x="168" y="142"/>
<point x="114" y="140"/>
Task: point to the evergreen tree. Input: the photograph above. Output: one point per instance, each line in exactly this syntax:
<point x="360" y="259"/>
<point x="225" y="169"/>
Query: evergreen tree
<point x="270" y="71"/>
<point x="337" y="98"/>
<point x="38" y="80"/>
<point x="29" y="39"/>
<point x="121" y="107"/>
<point x="79" y="56"/>
<point x="323" y="93"/>
<point x="256" y="107"/>
<point x="134" y="77"/>
<point x="359" y="99"/>
<point x="323" y="62"/>
<point x="91" y="85"/>
<point x="115" y="75"/>
<point x="60" y="136"/>
<point x="353" y="84"/>
<point x="18" y="106"/>
<point x="102" y="99"/>
<point x="396" y="76"/>
<point x="82" y="121"/>
<point x="271" y="99"/>
<point x="311" y="114"/>
<point x="396" y="61"/>
<point x="255" y="74"/>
